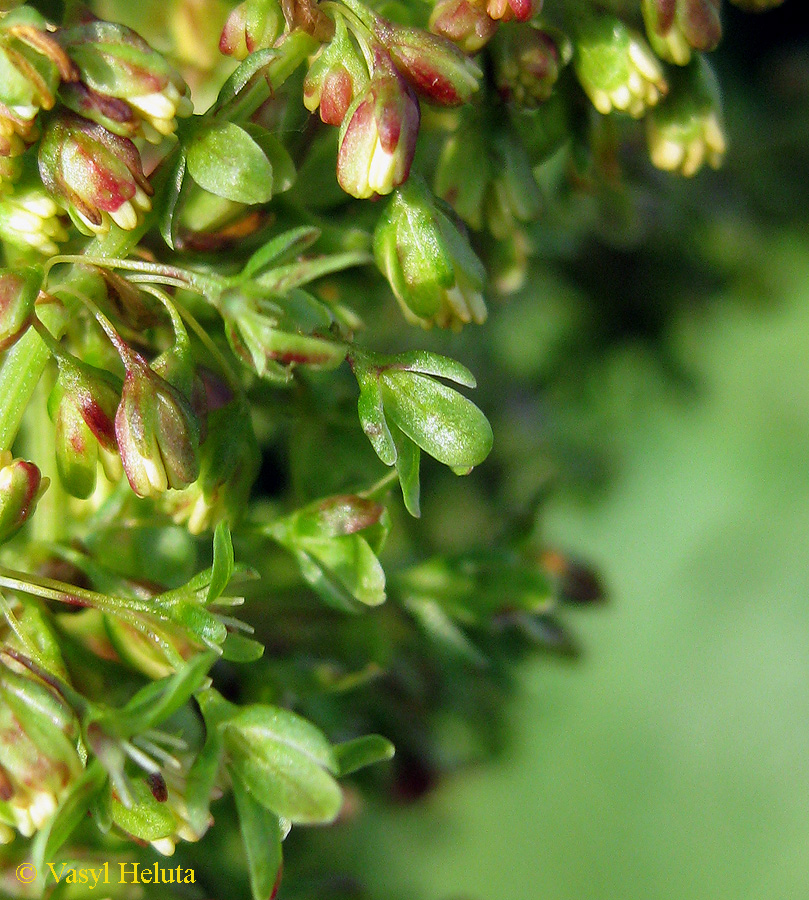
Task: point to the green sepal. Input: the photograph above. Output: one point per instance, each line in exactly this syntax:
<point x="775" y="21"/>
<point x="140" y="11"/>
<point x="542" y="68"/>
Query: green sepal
<point x="146" y="818"/>
<point x="202" y="778"/>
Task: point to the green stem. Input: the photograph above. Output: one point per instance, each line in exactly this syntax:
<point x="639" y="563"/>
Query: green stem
<point x="21" y="371"/>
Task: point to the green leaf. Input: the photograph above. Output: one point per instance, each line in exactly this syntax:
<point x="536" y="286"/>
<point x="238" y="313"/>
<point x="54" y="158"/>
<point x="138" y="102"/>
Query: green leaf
<point x="238" y="79"/>
<point x="147" y="818"/>
<point x="160" y="699"/>
<point x="347" y="560"/>
<point x="440" y="628"/>
<point x="226" y="161"/>
<point x="283" y="169"/>
<point x="372" y="415"/>
<point x="408" y="458"/>
<point x="201" y="779"/>
<point x="284" y="762"/>
<point x="261" y="836"/>
<point x="296" y="274"/>
<point x="290" y="243"/>
<point x="170" y="197"/>
<point x="361" y="752"/>
<point x="427" y="363"/>
<point x="241" y="649"/>
<point x="437" y="418"/>
<point x="223" y="562"/>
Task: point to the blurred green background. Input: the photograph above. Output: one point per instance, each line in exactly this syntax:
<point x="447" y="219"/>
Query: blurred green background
<point x="672" y="760"/>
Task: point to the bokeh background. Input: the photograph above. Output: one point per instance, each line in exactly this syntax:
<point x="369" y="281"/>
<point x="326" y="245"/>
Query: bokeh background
<point x="671" y="760"/>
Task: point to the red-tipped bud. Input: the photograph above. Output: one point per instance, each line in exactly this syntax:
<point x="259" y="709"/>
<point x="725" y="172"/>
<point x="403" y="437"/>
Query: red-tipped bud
<point x="18" y="293"/>
<point x="21" y="486"/>
<point x="83" y="406"/>
<point x="125" y="85"/>
<point x="253" y="25"/>
<point x="31" y="63"/>
<point x="675" y="27"/>
<point x="157" y="432"/>
<point x="336" y="77"/>
<point x="527" y="63"/>
<point x="96" y="174"/>
<point x="432" y="65"/>
<point x="464" y="23"/>
<point x="378" y="137"/>
<point x="521" y="10"/>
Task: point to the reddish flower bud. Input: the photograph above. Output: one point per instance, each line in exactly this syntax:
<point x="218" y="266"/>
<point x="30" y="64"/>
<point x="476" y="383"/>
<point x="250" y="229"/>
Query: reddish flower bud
<point x="337" y="75"/>
<point x="675" y="27"/>
<point x="21" y="486"/>
<point x="157" y="432"/>
<point x="125" y="85"/>
<point x="378" y="136"/>
<point x="96" y="174"/>
<point x="31" y="63"/>
<point x="18" y="293"/>
<point x="82" y="405"/>
<point x="432" y="65"/>
<point x="521" y="10"/>
<point x="527" y="63"/>
<point x="464" y="23"/>
<point x="253" y="25"/>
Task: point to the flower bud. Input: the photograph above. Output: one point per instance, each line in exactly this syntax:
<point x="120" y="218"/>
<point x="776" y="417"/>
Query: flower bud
<point x="378" y="136"/>
<point x="336" y="77"/>
<point x="126" y="86"/>
<point x="430" y="266"/>
<point x="157" y="432"/>
<point x="29" y="219"/>
<point x="82" y="405"/>
<point x="229" y="463"/>
<point x="98" y="175"/>
<point x="433" y="66"/>
<point x="527" y="63"/>
<point x="253" y="25"/>
<point x="674" y="27"/>
<point x="21" y="486"/>
<point x="521" y="10"/>
<point x="616" y="68"/>
<point x="39" y="760"/>
<point x="686" y="130"/>
<point x="18" y="293"/>
<point x="272" y="345"/>
<point x="30" y="66"/>
<point x="464" y="23"/>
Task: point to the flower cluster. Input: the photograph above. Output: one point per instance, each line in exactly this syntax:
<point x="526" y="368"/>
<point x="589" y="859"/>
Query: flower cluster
<point x="170" y="333"/>
<point x="366" y="79"/>
<point x="108" y="86"/>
